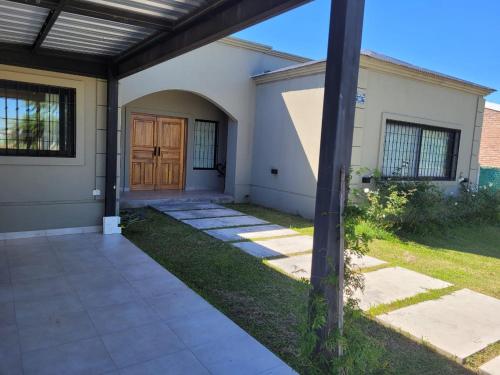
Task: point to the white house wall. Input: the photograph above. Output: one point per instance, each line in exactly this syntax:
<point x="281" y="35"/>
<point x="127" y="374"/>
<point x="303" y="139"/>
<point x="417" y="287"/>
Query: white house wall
<point x="220" y="73"/>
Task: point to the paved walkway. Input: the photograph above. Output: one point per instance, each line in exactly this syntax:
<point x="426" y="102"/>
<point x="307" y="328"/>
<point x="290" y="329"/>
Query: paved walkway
<point x="459" y="324"/>
<point x="94" y="304"/>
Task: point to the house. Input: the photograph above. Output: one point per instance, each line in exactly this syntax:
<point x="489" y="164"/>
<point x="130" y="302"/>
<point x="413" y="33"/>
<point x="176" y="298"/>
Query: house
<point x="489" y="154"/>
<point x="231" y="117"/>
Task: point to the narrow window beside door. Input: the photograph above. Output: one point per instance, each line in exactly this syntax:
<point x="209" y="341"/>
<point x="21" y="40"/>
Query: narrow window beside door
<point x="205" y="144"/>
<point x="36" y="120"/>
<point x="414" y="151"/>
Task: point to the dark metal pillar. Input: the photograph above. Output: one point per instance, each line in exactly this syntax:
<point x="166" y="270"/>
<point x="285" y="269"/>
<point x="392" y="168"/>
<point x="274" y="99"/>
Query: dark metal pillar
<point x="111" y="145"/>
<point x="342" y="67"/>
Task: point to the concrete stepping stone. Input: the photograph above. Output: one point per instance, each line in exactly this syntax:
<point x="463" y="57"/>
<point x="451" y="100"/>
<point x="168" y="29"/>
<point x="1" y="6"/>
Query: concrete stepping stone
<point x="458" y="324"/>
<point x="392" y="284"/>
<point x="201" y="214"/>
<point x="224" y="222"/>
<point x="298" y="266"/>
<point x="247" y="233"/>
<point x="167" y="207"/>
<point x="276" y="246"/>
<point x="365" y="261"/>
<point x="491" y="368"/>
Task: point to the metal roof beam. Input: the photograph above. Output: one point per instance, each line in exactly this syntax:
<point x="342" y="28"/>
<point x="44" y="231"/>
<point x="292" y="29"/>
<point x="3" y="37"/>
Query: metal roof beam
<point x="53" y="60"/>
<point x="49" y="22"/>
<point x="230" y="17"/>
<point x="104" y="12"/>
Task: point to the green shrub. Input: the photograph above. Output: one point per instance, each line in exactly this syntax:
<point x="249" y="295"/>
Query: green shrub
<point x="422" y="207"/>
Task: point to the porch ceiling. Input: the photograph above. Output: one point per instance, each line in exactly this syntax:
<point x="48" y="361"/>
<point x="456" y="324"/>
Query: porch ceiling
<point x="119" y="37"/>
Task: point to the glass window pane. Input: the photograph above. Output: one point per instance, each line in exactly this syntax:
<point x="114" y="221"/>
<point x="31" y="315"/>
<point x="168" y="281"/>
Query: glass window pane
<point x="400" y="150"/>
<point x="434" y="154"/>
<point x="205" y="144"/>
<point x="33" y="118"/>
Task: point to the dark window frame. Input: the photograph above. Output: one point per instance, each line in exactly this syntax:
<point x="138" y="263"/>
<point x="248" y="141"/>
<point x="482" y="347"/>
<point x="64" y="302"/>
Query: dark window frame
<point x="451" y="157"/>
<point x="66" y="126"/>
<point x="216" y="145"/>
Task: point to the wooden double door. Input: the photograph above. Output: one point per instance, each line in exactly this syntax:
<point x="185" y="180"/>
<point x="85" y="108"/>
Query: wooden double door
<point x="157" y="157"/>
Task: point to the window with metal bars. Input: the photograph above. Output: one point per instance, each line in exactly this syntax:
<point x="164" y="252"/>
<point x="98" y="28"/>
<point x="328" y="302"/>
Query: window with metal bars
<point x="36" y="120"/>
<point x="414" y="151"/>
<point x="205" y="144"/>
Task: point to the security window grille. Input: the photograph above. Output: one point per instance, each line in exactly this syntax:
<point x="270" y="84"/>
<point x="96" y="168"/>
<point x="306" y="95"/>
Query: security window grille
<point x="36" y="120"/>
<point x="413" y="151"/>
<point x="205" y="144"/>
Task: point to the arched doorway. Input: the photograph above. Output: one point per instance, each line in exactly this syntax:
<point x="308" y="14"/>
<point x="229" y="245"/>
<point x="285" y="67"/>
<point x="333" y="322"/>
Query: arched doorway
<point x="174" y="141"/>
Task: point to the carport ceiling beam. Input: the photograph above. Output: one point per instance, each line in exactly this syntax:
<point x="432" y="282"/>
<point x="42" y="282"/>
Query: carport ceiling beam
<point x="104" y="12"/>
<point x="49" y="22"/>
<point x="222" y="21"/>
<point x="57" y="61"/>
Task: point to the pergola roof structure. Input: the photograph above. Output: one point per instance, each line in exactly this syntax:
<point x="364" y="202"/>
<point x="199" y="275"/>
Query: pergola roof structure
<point x="113" y="39"/>
<point x="94" y="37"/>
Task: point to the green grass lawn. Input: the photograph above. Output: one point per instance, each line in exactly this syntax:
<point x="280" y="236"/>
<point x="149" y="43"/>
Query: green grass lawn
<point x="468" y="257"/>
<point x="264" y="302"/>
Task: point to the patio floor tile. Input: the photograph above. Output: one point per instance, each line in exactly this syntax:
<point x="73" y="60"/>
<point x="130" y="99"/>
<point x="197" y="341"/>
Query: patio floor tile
<point x="203" y="327"/>
<point x="81" y="357"/>
<point x="180" y="363"/>
<point x="491" y="367"/>
<point x="276" y="246"/>
<point x="247" y="233"/>
<point x="140" y="271"/>
<point x="6" y="292"/>
<point x="56" y="330"/>
<point x="158" y="286"/>
<point x="143" y="343"/>
<point x="42" y="288"/>
<point x="10" y="351"/>
<point x="36" y="312"/>
<point x="201" y="214"/>
<point x="7" y="314"/>
<point x="186" y="206"/>
<point x="34" y="272"/>
<point x="240" y="354"/>
<point x="186" y="302"/>
<point x="392" y="284"/>
<point x="111" y="305"/>
<point x="224" y="222"/>
<point x="119" y="317"/>
<point x="458" y="324"/>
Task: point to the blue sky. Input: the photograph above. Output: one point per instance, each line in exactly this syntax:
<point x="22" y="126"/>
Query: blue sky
<point x="457" y="37"/>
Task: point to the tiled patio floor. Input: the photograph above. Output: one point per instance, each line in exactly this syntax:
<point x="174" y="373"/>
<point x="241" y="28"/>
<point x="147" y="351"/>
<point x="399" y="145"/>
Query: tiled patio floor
<point x="94" y="304"/>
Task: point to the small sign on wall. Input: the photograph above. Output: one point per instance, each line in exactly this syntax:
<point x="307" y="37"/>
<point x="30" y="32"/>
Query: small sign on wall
<point x="361" y="98"/>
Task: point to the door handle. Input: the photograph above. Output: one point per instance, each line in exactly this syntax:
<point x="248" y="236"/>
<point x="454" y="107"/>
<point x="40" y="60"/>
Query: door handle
<point x="158" y="151"/>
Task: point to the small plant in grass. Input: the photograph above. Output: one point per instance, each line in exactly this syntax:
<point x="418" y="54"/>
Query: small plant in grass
<point x="360" y="354"/>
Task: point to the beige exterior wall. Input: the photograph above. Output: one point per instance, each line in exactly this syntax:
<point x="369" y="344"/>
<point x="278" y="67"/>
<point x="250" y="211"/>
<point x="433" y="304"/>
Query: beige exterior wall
<point x="288" y="126"/>
<point x="191" y="107"/>
<point x="219" y="72"/>
<point x="39" y="193"/>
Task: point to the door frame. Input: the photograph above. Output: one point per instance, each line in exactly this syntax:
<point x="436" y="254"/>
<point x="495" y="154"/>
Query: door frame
<point x="184" y="156"/>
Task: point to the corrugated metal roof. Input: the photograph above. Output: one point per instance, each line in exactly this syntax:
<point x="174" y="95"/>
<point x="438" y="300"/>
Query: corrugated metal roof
<point x="20" y="23"/>
<point x="169" y="9"/>
<point x="73" y="32"/>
